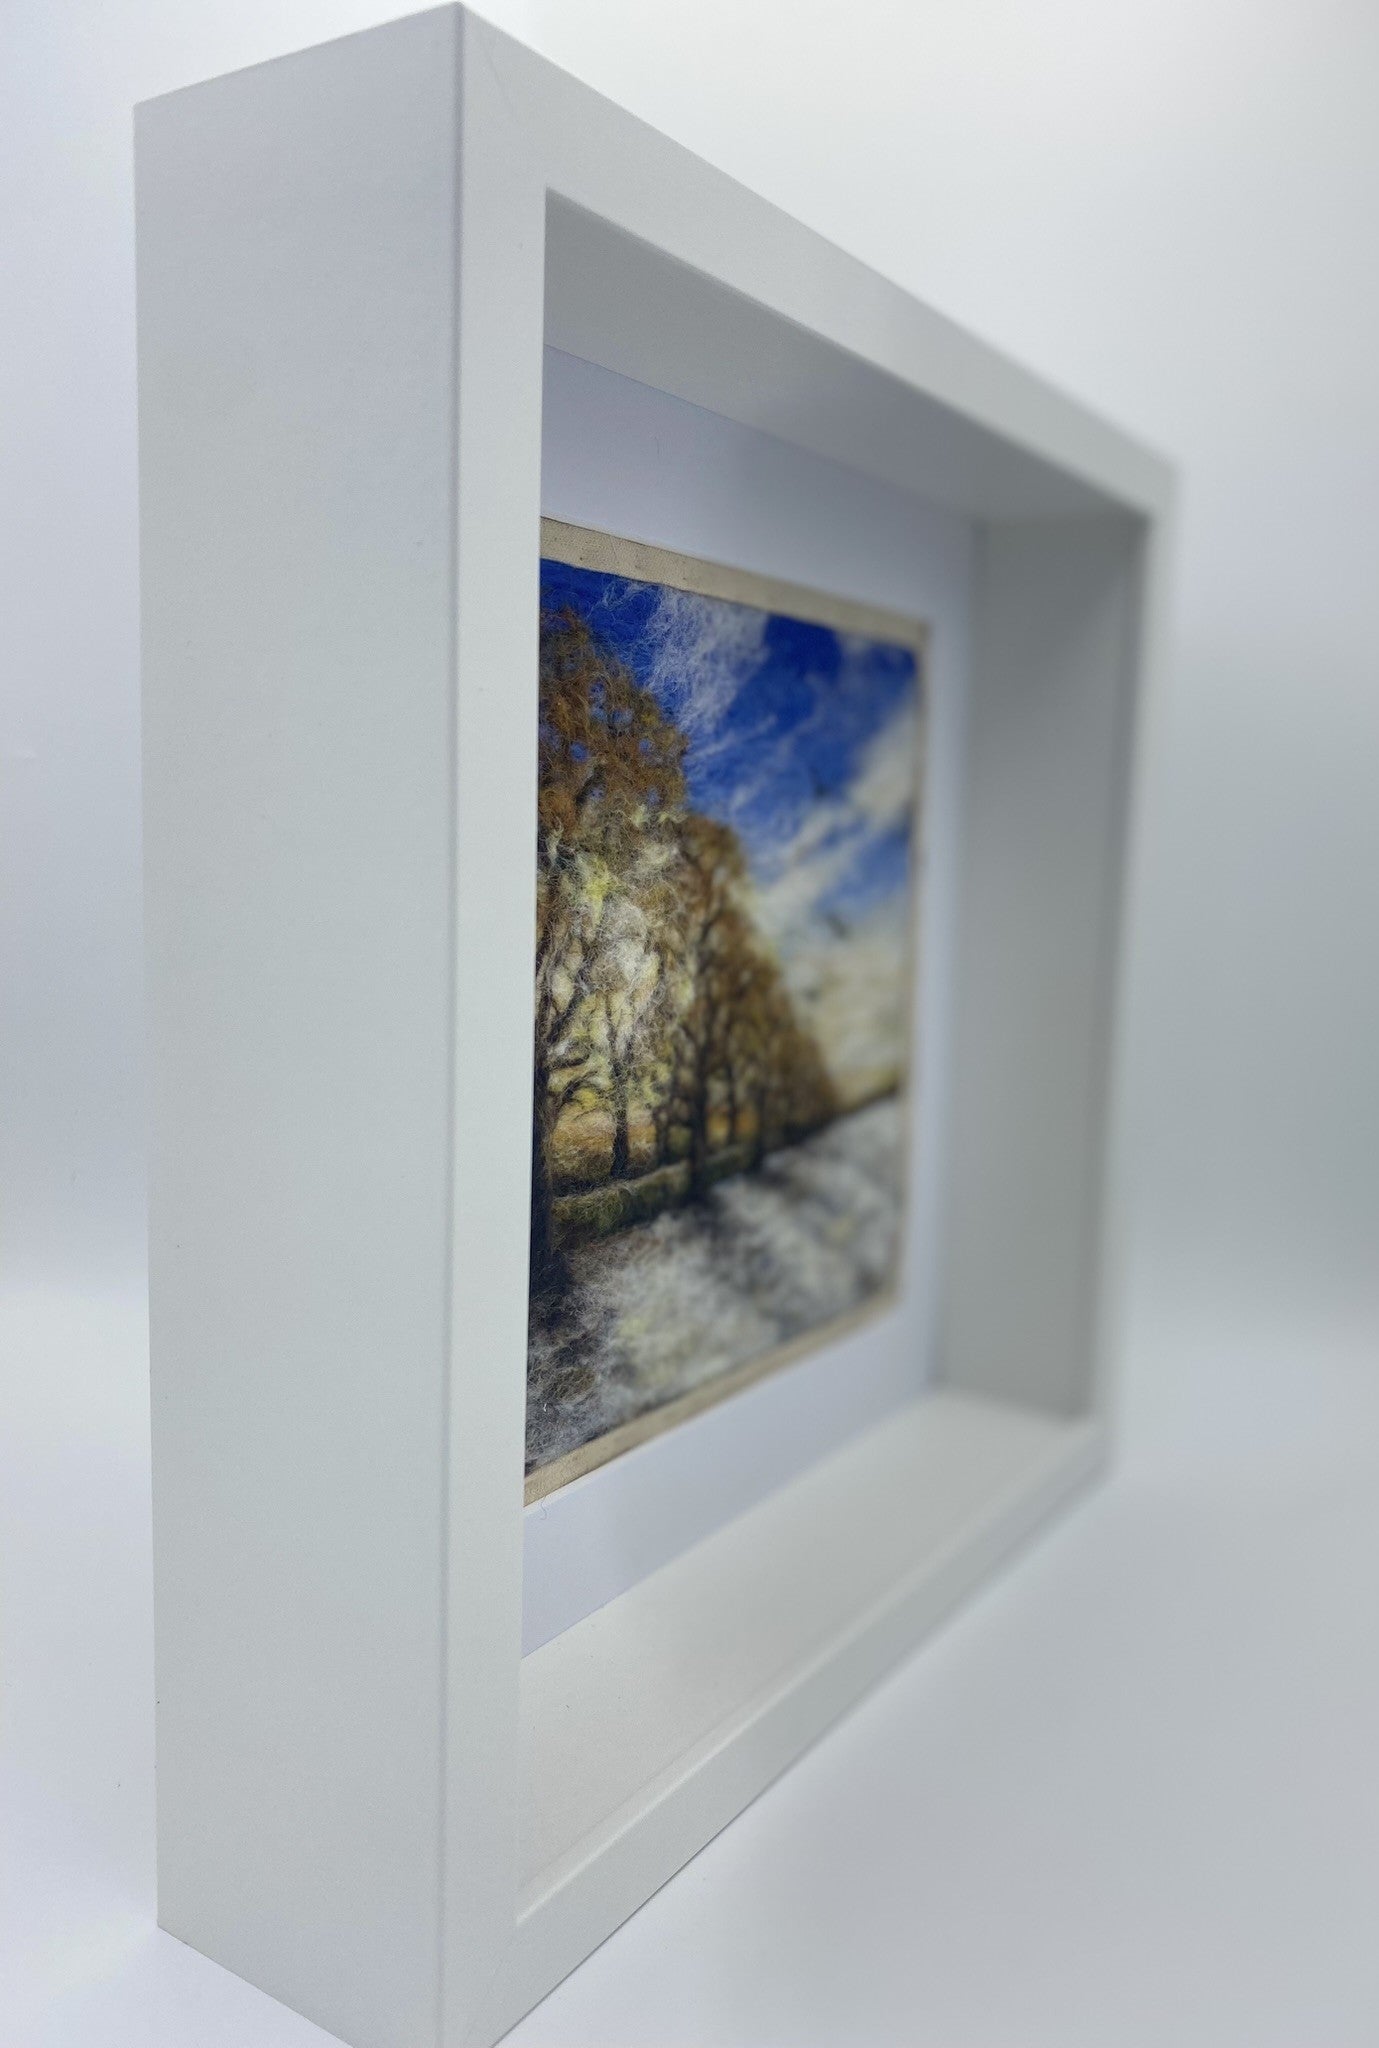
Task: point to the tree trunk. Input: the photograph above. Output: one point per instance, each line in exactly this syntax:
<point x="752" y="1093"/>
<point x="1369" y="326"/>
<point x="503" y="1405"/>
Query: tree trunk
<point x="547" y="1267"/>
<point x="699" y="1132"/>
<point x="759" y="1136"/>
<point x="698" y="1161"/>
<point x="622" y="1150"/>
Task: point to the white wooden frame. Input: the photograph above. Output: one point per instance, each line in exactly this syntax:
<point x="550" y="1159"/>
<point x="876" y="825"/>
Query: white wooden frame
<point x="369" y="1804"/>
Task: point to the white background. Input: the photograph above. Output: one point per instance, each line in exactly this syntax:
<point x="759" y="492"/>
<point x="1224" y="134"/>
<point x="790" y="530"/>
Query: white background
<point x="1130" y="1797"/>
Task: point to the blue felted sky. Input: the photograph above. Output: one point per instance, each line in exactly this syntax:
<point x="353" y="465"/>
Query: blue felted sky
<point x="802" y="738"/>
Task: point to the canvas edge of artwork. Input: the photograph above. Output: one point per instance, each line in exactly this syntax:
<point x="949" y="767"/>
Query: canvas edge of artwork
<point x="583" y="547"/>
<point x="609" y="554"/>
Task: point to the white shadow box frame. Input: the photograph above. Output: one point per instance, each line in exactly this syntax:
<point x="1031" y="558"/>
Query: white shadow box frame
<point x="350" y="263"/>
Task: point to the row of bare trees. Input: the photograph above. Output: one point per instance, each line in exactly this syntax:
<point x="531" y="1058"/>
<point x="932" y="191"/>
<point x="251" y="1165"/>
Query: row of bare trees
<point x="657" y="1005"/>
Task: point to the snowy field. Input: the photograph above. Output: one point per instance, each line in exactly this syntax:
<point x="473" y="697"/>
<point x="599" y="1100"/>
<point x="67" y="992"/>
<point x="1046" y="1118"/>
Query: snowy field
<point x="665" y="1306"/>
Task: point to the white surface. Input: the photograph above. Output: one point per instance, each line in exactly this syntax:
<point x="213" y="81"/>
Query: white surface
<point x="649" y="1727"/>
<point x="299" y="655"/>
<point x="624" y="458"/>
<point x="815" y="382"/>
<point x="340" y="359"/>
<point x="1125" y="1799"/>
<point x="744" y="1647"/>
<point x="1170" y="207"/>
<point x="1062" y="688"/>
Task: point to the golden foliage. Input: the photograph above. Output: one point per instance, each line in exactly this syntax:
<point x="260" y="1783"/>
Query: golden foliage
<point x="658" y="1005"/>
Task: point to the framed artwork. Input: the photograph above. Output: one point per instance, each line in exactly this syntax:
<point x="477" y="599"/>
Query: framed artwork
<point x="439" y="806"/>
<point x="729" y="817"/>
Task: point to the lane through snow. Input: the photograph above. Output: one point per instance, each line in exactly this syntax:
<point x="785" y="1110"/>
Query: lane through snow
<point x="658" y="1310"/>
